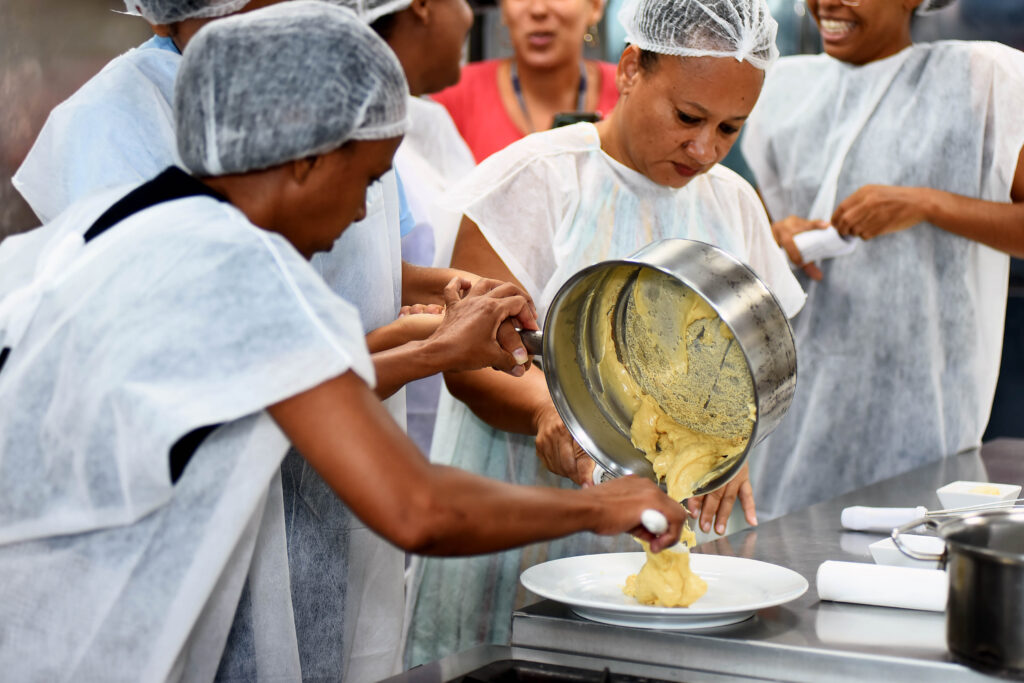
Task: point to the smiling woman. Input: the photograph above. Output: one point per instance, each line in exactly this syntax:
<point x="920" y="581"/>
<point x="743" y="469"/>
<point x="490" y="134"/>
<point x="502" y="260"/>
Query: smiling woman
<point x="558" y="201"/>
<point x="916" y="153"/>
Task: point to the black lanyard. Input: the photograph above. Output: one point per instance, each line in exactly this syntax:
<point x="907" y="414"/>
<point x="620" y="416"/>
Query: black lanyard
<point x="518" y="88"/>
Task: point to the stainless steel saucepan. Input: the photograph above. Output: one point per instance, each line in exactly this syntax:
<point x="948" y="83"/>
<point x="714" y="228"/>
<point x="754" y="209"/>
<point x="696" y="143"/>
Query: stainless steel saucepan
<point x="984" y="557"/>
<point x="643" y="300"/>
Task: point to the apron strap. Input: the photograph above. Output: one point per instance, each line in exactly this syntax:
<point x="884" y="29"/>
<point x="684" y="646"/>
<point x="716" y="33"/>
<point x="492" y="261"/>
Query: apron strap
<point x="173" y="183"/>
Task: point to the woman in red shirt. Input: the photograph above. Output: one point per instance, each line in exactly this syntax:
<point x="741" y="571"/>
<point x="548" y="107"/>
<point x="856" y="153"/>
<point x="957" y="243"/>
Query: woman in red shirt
<point x="498" y="101"/>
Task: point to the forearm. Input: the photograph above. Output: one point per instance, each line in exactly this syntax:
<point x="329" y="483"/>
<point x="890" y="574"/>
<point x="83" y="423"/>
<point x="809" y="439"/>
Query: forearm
<point x="511" y="404"/>
<point x="999" y="225"/>
<point x="422" y="285"/>
<point x="471" y="514"/>
<point x="397" y="366"/>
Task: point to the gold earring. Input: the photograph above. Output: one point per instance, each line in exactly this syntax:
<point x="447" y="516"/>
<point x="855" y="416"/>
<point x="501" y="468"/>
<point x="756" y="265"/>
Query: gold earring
<point x="591" y="37"/>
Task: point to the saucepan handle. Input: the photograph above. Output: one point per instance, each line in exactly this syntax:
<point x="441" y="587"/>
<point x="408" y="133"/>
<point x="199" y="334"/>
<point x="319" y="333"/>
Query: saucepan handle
<point x="910" y="552"/>
<point x="533" y="340"/>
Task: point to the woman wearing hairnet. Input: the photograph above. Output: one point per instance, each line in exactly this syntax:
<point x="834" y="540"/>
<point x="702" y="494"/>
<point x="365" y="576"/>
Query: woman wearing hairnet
<point x="557" y="201"/>
<point x="119" y="128"/>
<point x="138" y="541"/>
<point x="914" y="152"/>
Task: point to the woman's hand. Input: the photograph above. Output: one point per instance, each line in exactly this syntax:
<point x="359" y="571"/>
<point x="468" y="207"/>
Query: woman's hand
<point x="478" y="328"/>
<point x="876" y="210"/>
<point x="716" y="506"/>
<point x="788" y="228"/>
<point x="622" y="502"/>
<point x="559" y="451"/>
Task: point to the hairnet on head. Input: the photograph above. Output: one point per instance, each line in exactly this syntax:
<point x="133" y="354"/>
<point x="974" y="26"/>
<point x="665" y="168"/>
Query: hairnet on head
<point x="171" y="11"/>
<point x="742" y="29"/>
<point x="933" y="6"/>
<point x="281" y="83"/>
<point x="372" y="10"/>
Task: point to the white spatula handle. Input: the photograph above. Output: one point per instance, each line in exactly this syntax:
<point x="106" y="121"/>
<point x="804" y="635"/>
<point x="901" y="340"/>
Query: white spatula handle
<point x="654" y="521"/>
<point x="861" y="518"/>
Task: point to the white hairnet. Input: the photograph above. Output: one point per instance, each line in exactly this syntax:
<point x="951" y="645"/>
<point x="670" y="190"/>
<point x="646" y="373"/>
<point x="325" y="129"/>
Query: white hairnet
<point x="372" y="10"/>
<point x="933" y="5"/>
<point x="171" y="11"/>
<point x="742" y="29"/>
<point x="281" y="83"/>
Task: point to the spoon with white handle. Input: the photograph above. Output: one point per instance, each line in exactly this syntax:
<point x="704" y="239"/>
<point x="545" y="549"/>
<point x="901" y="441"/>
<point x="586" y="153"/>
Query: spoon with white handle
<point x="654" y="521"/>
<point x="650" y="519"/>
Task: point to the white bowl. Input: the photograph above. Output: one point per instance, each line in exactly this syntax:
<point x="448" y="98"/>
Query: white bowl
<point x="886" y="552"/>
<point x="967" y="493"/>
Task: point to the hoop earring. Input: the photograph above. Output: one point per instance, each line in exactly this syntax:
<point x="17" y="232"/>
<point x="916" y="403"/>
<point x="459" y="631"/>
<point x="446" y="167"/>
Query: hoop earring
<point x="592" y="38"/>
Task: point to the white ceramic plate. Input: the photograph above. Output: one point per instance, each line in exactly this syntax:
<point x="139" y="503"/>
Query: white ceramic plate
<point x="591" y="585"/>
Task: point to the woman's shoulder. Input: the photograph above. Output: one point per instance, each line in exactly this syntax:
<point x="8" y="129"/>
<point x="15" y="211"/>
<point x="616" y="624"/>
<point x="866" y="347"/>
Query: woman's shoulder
<point x="725" y="182"/>
<point x="548" y="144"/>
<point x="552" y="154"/>
<point x="980" y="55"/>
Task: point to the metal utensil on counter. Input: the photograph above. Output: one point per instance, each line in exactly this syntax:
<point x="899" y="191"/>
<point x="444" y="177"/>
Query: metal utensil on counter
<point x="571" y="346"/>
<point x="884" y="520"/>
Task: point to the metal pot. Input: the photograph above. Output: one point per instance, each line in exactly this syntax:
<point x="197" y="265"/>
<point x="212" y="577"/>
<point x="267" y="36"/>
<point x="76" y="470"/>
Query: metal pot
<point x="742" y="301"/>
<point x="984" y="557"/>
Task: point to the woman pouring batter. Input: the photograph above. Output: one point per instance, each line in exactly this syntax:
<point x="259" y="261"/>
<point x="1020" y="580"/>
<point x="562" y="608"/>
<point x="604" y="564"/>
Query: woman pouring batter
<point x="555" y="202"/>
<point x="162" y="345"/>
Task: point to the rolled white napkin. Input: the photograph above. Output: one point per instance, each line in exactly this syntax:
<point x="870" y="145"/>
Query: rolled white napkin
<point x="815" y="245"/>
<point x="885" y="586"/>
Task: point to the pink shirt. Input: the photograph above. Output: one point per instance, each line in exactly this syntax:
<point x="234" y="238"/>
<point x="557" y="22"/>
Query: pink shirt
<point x="475" y="106"/>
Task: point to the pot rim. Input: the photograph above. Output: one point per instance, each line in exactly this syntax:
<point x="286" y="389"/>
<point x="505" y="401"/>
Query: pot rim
<point x="955" y="524"/>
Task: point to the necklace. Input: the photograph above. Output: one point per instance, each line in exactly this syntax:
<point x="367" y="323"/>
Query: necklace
<point x="518" y="88"/>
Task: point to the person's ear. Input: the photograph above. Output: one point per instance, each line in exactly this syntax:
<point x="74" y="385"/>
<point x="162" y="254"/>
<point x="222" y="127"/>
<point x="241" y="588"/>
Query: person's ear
<point x="421" y="10"/>
<point x="911" y="5"/>
<point x="596" y="12"/>
<point x="628" y="72"/>
<point x="302" y="169"/>
<point x="162" y="30"/>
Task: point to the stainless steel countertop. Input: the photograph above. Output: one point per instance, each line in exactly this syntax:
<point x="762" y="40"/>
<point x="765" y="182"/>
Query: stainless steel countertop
<point x="804" y="640"/>
<point x="454" y="666"/>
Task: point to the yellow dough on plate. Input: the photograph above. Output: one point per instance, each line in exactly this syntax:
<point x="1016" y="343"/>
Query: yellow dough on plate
<point x="666" y="580"/>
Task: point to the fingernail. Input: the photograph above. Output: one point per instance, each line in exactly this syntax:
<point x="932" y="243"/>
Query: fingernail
<point x="754" y="521"/>
<point x="720" y="529"/>
<point x="696" y="513"/>
<point x="520" y="355"/>
<point x="706" y="527"/>
<point x="518" y="371"/>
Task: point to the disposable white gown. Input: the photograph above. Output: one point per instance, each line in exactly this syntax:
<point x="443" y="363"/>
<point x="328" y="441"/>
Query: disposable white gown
<point x="899" y="344"/>
<point x="182" y="316"/>
<point x="550" y="205"/>
<point x="430" y="159"/>
<point x="119" y="128"/>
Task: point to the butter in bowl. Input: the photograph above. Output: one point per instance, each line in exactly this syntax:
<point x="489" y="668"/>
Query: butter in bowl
<point x="960" y="494"/>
